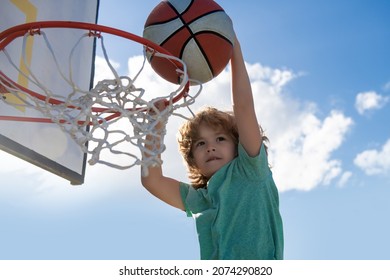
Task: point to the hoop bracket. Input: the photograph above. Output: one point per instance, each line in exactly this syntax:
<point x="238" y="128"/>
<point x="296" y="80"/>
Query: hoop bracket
<point x="95" y="33"/>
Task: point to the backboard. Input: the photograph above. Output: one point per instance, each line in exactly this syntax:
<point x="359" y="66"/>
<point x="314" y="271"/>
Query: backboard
<point x="44" y="144"/>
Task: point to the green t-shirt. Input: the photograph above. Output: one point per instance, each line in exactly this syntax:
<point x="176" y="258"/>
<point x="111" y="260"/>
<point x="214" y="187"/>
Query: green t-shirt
<point x="237" y="216"/>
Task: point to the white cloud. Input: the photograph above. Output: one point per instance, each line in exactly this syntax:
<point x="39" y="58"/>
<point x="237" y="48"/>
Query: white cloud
<point x="102" y="70"/>
<point x="301" y="143"/>
<point x="344" y="178"/>
<point x="374" y="162"/>
<point x="366" y="101"/>
<point x="302" y="152"/>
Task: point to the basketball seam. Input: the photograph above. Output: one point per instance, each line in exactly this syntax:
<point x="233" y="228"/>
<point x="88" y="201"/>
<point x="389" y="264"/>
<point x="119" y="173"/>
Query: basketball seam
<point x="188" y="7"/>
<point x="215" y="33"/>
<point x="181" y="19"/>
<point x="186" y="25"/>
<point x="201" y="48"/>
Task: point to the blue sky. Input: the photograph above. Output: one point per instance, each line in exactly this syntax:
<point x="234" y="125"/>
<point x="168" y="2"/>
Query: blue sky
<point x="321" y="82"/>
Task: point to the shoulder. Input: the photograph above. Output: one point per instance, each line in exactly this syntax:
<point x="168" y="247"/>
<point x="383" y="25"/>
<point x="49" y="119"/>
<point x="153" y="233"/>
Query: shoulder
<point x="251" y="165"/>
<point x="259" y="159"/>
<point x="194" y="200"/>
<point x="187" y="191"/>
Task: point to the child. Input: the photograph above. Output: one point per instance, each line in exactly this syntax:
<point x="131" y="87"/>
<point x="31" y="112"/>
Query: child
<point x="233" y="197"/>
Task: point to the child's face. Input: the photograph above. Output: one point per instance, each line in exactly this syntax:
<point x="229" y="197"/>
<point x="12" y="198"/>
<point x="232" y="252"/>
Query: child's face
<point x="212" y="150"/>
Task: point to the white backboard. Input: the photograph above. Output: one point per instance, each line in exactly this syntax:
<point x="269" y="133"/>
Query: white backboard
<point x="44" y="144"/>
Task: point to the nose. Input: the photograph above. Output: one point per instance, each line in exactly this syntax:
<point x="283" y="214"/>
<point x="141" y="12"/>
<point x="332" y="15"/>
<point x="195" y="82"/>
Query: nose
<point x="210" y="149"/>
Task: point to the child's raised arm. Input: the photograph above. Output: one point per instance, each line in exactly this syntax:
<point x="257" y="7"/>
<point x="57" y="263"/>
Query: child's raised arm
<point x="243" y="105"/>
<point x="164" y="188"/>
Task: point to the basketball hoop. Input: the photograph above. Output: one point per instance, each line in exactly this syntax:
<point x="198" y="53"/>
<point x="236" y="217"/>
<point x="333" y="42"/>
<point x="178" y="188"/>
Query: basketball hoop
<point x="88" y="115"/>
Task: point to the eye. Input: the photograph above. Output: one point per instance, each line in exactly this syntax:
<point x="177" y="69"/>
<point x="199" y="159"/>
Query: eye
<point x="221" y="138"/>
<point x="199" y="143"/>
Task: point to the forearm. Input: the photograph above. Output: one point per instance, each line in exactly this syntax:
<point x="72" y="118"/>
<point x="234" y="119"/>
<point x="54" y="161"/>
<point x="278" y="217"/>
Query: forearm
<point x="152" y="149"/>
<point x="151" y="177"/>
<point x="243" y="104"/>
<point x="241" y="86"/>
<point x="164" y="188"/>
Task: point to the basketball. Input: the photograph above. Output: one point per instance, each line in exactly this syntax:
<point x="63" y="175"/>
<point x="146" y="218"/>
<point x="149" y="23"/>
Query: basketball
<point x="197" y="31"/>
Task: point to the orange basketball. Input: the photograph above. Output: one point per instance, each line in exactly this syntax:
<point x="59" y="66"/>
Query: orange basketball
<point x="197" y="31"/>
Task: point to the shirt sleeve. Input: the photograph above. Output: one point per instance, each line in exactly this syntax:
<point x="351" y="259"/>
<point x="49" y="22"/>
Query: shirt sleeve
<point x="184" y="189"/>
<point x="195" y="200"/>
<point x="253" y="166"/>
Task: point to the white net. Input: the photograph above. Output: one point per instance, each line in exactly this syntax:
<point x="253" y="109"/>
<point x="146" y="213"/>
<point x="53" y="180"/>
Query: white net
<point x="111" y="118"/>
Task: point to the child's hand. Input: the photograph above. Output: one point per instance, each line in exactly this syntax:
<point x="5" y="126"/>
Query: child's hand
<point x="158" y="106"/>
<point x="155" y="112"/>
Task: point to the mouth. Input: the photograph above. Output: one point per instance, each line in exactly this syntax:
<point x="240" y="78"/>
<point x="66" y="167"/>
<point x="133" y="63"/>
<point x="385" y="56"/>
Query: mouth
<point x="212" y="159"/>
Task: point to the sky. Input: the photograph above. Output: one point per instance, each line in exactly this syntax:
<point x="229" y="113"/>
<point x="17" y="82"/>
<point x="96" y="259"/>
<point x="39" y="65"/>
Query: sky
<point x="321" y="83"/>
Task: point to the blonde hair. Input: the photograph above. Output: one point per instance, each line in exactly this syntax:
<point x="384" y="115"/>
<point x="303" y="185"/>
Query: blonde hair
<point x="189" y="134"/>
